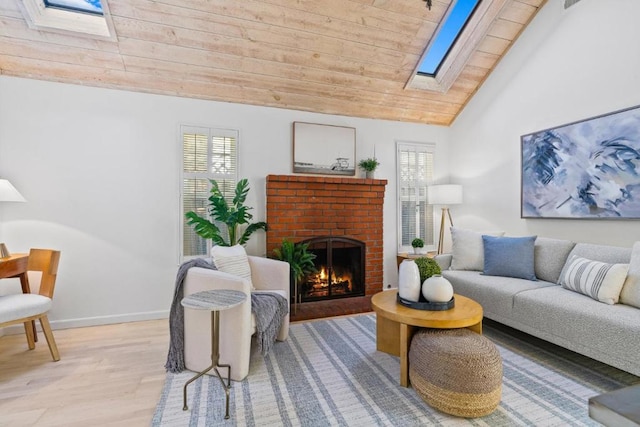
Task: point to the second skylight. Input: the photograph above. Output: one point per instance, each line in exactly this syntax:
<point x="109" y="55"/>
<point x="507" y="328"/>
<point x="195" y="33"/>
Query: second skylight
<point x="447" y="36"/>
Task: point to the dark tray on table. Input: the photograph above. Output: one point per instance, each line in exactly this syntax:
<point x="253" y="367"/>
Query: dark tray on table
<point x="423" y="304"/>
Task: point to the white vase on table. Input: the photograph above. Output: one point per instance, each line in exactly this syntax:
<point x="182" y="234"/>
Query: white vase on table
<point x="409" y="280"/>
<point x="437" y="289"/>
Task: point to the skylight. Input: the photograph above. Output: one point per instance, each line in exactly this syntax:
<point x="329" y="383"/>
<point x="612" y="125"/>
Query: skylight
<point x="447" y="35"/>
<point x="89" y="18"/>
<point x="87" y="6"/>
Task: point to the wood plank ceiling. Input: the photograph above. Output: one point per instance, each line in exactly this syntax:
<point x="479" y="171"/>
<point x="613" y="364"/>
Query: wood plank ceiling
<point x="345" y="57"/>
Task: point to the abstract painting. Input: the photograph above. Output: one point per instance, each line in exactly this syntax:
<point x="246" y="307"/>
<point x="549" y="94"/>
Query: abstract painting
<point x="584" y="170"/>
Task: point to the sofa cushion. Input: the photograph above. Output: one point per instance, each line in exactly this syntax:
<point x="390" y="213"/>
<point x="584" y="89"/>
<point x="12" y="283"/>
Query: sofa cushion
<point x="232" y="260"/>
<point x="599" y="280"/>
<point x="608" y="333"/>
<point x="550" y="256"/>
<point x="602" y="253"/>
<point x="630" y="294"/>
<point x="466" y="248"/>
<point x="509" y="256"/>
<point x="493" y="293"/>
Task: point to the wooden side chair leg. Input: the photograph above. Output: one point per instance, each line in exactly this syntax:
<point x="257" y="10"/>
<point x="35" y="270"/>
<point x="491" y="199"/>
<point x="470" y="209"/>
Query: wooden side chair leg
<point x="35" y="331"/>
<point x="28" y="328"/>
<point x="46" y="328"/>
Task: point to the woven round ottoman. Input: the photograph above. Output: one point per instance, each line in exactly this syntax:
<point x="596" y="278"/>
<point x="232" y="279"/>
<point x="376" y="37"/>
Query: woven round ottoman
<point x="456" y="371"/>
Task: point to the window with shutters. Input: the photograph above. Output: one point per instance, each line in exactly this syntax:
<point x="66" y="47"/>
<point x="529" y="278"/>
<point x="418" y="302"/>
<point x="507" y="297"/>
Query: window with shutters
<point x="415" y="214"/>
<point x="206" y="154"/>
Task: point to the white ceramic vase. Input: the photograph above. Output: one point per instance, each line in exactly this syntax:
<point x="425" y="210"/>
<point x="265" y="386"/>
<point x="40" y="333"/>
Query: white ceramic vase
<point x="437" y="289"/>
<point x="409" y="280"/>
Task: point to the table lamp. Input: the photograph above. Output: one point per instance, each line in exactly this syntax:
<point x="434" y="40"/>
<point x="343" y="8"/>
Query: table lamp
<point x="8" y="193"/>
<point x="445" y="195"/>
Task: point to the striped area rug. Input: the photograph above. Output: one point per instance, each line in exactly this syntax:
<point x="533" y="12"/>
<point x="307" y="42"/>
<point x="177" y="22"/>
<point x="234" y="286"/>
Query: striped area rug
<point x="329" y="374"/>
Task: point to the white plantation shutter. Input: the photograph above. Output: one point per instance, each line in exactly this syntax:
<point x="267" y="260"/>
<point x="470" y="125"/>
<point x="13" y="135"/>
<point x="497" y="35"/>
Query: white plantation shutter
<point x="206" y="154"/>
<point x="415" y="214"/>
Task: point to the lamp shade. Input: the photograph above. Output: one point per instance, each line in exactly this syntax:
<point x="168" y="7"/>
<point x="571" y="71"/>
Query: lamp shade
<point x="8" y="192"/>
<point x="446" y="194"/>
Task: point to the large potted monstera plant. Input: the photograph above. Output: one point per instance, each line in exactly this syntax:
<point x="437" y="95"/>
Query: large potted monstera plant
<point x="233" y="215"/>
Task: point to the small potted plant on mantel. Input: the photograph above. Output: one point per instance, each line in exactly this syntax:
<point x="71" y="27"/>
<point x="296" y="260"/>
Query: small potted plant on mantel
<point x="369" y="166"/>
<point x="417" y="244"/>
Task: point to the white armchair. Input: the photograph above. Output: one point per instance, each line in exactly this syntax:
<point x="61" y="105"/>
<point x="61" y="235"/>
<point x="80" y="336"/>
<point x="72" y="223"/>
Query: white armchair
<point x="237" y="325"/>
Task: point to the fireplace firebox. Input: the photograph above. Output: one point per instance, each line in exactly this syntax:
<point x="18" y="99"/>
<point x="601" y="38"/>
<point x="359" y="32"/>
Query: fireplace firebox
<point x="340" y="269"/>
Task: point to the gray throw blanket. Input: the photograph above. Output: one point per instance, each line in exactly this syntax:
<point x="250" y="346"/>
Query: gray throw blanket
<point x="175" y="358"/>
<point x="269" y="310"/>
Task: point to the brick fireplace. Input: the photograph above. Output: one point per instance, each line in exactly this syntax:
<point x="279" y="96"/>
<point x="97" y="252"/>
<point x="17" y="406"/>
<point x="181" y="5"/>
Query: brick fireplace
<point x="301" y="207"/>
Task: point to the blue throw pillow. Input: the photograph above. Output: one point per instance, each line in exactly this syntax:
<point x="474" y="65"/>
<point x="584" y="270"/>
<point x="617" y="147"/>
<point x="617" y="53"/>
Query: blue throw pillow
<point x="509" y="256"/>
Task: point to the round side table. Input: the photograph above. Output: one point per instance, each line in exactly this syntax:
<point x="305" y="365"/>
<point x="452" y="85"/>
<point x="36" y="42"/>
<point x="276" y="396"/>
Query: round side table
<point x="214" y="300"/>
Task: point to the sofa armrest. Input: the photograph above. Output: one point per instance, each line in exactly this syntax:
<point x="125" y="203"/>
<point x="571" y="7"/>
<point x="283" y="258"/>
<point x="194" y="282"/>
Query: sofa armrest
<point x="444" y="260"/>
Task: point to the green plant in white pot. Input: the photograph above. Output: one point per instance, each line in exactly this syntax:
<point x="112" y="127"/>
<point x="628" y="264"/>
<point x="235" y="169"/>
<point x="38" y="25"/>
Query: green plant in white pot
<point x="417" y="244"/>
<point x="369" y="166"/>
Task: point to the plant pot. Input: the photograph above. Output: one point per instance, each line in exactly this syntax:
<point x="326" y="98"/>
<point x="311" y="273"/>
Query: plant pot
<point x="370" y="174"/>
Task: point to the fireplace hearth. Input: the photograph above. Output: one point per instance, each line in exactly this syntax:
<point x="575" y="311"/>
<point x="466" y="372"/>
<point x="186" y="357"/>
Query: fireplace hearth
<point x="340" y="269"/>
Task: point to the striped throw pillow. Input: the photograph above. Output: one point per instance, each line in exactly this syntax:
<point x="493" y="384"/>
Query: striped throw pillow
<point x="599" y="280"/>
<point x="232" y="260"/>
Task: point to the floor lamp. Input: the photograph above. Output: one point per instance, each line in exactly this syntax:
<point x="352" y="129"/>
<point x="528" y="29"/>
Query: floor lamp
<point x="8" y="193"/>
<point x="445" y="195"/>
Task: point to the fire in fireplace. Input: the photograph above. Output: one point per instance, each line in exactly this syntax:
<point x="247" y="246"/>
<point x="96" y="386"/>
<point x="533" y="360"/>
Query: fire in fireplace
<point x="340" y="269"/>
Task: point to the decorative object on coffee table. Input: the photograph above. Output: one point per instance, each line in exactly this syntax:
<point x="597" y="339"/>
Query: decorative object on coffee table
<point x="409" y="280"/>
<point x="424" y="304"/>
<point x="427" y="267"/>
<point x="437" y="289"/>
<point x="456" y="371"/>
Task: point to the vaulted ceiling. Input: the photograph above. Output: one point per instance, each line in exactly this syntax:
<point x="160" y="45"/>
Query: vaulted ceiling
<point x="346" y="57"/>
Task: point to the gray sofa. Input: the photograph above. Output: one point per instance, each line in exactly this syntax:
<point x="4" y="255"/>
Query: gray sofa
<point x="608" y="333"/>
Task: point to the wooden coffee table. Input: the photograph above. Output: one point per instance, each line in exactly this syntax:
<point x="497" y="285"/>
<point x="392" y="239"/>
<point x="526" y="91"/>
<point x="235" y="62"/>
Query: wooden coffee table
<point x="396" y="324"/>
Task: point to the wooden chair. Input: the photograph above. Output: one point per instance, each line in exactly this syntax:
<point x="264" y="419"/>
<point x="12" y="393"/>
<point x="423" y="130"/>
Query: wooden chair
<point x="24" y="308"/>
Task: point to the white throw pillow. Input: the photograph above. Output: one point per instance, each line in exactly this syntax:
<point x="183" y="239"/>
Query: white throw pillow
<point x="232" y="260"/>
<point x="599" y="280"/>
<point x="467" y="248"/>
<point x="630" y="294"/>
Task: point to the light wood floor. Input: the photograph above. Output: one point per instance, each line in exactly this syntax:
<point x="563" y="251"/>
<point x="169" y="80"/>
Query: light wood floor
<point x="108" y="376"/>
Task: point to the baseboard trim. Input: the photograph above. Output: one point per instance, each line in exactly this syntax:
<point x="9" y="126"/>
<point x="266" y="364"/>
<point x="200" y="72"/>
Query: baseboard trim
<point x="92" y="321"/>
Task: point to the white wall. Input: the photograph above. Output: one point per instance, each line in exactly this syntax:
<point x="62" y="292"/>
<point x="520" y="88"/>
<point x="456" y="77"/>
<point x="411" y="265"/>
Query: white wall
<point x="100" y="170"/>
<point x="567" y="66"/>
